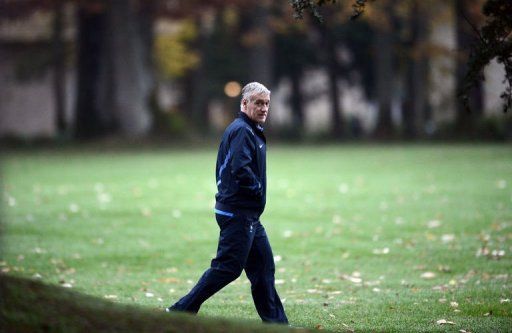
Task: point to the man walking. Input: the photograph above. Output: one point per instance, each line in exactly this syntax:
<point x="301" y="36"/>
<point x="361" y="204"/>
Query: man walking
<point x="240" y="200"/>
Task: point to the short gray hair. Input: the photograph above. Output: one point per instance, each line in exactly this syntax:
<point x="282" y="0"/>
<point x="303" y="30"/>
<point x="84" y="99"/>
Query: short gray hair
<point x="253" y="88"/>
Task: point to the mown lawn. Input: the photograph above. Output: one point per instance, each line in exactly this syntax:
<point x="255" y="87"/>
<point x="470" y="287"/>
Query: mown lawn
<point x="366" y="238"/>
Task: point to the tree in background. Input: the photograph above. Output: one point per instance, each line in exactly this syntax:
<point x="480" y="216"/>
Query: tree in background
<point x="114" y="68"/>
<point x="384" y="55"/>
<point x="259" y="40"/>
<point x="294" y="53"/>
<point x="467" y="11"/>
<point x="329" y="47"/>
<point x="59" y="68"/>
<point x="415" y="57"/>
<point x="494" y="42"/>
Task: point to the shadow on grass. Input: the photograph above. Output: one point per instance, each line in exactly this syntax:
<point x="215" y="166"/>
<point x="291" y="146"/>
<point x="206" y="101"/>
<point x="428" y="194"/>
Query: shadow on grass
<point x="31" y="306"/>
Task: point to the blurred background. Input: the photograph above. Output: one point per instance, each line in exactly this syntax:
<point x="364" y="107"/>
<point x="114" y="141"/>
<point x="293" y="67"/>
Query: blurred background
<point x="173" y="70"/>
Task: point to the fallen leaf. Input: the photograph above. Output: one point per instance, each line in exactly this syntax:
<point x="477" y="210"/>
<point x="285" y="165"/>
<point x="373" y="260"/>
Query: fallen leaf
<point x="145" y="211"/>
<point x="497" y="254"/>
<point x="11" y="201"/>
<point x="104" y="198"/>
<point x="440" y="288"/>
<point x="349" y="329"/>
<point x="169" y="280"/>
<point x="381" y="251"/>
<point x="428" y="275"/>
<point x="74" y="208"/>
<point x="343" y="188"/>
<point x="39" y="250"/>
<point x="447" y="238"/>
<point x="444" y="322"/>
<point x="501" y="184"/>
<point x="433" y="224"/>
<point x="353" y="279"/>
<point x="444" y="268"/>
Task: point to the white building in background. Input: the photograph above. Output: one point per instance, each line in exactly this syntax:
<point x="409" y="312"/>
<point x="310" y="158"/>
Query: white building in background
<point x="27" y="108"/>
<point x="27" y="105"/>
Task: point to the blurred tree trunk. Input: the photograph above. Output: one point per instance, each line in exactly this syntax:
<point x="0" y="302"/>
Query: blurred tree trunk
<point x="114" y="68"/>
<point x="261" y="48"/>
<point x="91" y="32"/>
<point x="465" y="120"/>
<point x="59" y="69"/>
<point x="415" y="106"/>
<point x="332" y="71"/>
<point x="261" y="51"/>
<point x="297" y="102"/>
<point x="197" y="81"/>
<point x="332" y="68"/>
<point x="131" y="79"/>
<point x="384" y="78"/>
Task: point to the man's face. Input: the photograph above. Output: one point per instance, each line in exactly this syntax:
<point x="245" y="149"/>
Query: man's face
<point x="256" y="108"/>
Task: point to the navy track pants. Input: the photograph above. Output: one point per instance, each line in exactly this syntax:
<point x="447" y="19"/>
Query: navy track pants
<point x="243" y="245"/>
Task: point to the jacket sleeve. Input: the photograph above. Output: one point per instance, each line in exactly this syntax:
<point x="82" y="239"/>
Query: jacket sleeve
<point x="243" y="151"/>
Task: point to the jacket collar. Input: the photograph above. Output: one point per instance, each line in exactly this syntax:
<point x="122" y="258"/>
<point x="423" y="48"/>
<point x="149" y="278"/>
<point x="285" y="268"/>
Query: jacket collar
<point x="251" y="123"/>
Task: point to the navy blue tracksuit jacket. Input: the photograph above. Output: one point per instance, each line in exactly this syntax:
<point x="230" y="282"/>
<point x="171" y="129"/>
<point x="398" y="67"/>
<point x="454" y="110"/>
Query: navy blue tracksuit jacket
<point x="241" y="168"/>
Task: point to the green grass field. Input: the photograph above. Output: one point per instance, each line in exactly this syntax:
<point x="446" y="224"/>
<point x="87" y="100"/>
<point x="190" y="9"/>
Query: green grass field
<point x="366" y="238"/>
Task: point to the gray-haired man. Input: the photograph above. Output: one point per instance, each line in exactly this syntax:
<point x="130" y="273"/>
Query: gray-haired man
<point x="240" y="200"/>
